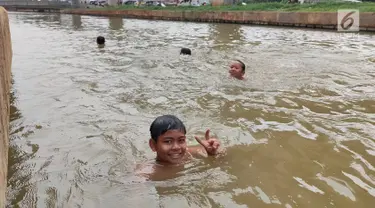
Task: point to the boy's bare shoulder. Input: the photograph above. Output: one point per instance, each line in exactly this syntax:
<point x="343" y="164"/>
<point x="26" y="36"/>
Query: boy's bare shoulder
<point x="145" y="170"/>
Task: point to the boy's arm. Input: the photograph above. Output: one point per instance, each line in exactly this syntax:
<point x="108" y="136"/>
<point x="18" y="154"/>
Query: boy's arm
<point x="197" y="150"/>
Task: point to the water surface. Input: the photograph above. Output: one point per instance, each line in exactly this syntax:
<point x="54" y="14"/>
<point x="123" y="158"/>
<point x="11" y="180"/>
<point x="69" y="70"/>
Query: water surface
<point x="298" y="131"/>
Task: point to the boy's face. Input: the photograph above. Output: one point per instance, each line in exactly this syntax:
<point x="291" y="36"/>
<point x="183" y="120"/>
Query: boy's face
<point x="170" y="147"/>
<point x="236" y="70"/>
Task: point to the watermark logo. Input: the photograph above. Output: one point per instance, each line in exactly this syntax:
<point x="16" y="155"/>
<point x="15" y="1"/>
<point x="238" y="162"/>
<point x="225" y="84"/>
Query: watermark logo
<point x="348" y="20"/>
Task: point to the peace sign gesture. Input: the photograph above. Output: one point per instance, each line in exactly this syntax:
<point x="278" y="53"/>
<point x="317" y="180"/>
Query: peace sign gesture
<point x="210" y="144"/>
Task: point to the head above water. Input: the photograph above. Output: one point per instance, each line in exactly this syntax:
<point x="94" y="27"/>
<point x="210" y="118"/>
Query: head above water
<point x="168" y="139"/>
<point x="237" y="69"/>
<point x="164" y="123"/>
<point x="185" y="51"/>
<point x="100" y="40"/>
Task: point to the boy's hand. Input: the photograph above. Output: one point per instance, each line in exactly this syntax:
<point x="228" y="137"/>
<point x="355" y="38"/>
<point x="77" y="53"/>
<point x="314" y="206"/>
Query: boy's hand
<point x="210" y="144"/>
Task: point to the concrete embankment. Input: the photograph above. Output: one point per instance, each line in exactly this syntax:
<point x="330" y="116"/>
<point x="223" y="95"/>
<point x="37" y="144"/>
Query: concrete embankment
<point x="5" y="76"/>
<point x="327" y="20"/>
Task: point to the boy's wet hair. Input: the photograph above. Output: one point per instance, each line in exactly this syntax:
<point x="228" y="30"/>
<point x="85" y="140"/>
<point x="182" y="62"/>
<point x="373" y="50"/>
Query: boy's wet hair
<point x="165" y="123"/>
<point x="243" y="66"/>
<point x="100" y="40"/>
<point x="185" y="51"/>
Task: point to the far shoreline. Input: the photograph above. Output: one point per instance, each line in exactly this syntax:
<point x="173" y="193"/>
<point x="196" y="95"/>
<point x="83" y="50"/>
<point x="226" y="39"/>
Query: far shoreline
<point x="301" y="19"/>
<point x="323" y="15"/>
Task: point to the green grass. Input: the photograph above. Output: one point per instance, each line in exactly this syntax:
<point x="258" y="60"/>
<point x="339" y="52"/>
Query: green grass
<point x="318" y="7"/>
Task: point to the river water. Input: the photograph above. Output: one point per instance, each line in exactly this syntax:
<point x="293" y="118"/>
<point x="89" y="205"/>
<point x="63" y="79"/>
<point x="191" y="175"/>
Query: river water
<point x="299" y="131"/>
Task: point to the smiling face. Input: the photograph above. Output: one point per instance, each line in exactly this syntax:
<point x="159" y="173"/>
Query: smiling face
<point x="170" y="147"/>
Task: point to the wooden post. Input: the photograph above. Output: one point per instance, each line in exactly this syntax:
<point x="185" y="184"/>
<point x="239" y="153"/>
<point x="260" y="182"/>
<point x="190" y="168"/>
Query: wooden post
<point x="5" y="76"/>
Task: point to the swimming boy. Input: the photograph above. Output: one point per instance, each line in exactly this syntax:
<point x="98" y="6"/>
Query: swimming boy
<point x="237" y="69"/>
<point x="168" y="140"/>
<point x="100" y="40"/>
<point x="185" y="51"/>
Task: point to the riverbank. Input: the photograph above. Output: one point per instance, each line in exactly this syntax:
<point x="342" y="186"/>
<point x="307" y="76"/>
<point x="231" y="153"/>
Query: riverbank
<point x="276" y="14"/>
<point x="273" y="6"/>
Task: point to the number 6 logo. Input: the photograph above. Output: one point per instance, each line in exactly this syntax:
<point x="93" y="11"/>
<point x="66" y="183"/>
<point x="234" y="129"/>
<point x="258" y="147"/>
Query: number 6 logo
<point x="348" y="20"/>
<point x="345" y="19"/>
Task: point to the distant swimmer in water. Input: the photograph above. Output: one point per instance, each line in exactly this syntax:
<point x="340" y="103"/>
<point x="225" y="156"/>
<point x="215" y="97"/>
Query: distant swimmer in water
<point x="237" y="70"/>
<point x="185" y="51"/>
<point x="100" y="40"/>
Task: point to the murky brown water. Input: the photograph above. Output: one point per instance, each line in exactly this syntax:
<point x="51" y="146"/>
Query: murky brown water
<point x="299" y="131"/>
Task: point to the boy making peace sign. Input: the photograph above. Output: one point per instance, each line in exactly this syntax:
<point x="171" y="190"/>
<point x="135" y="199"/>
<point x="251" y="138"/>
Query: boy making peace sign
<point x="168" y="140"/>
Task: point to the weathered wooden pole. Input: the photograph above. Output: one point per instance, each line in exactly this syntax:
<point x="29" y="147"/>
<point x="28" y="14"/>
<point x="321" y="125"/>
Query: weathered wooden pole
<point x="5" y="76"/>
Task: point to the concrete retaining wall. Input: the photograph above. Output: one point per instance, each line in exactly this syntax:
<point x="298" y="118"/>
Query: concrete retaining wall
<point x="327" y="20"/>
<point x="5" y="76"/>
